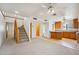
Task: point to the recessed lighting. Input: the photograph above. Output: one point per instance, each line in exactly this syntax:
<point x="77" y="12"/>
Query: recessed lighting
<point x="43" y="6"/>
<point x="16" y="12"/>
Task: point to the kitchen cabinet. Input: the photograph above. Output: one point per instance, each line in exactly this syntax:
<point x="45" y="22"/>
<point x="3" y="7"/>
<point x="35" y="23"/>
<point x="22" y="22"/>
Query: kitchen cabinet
<point x="56" y="35"/>
<point x="63" y="34"/>
<point x="70" y="35"/>
<point x="77" y="37"/>
<point x="58" y="25"/>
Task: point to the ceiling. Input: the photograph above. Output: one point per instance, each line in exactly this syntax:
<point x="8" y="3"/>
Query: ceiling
<point x="35" y="9"/>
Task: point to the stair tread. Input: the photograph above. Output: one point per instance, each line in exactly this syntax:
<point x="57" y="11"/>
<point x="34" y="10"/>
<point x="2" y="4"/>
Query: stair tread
<point x="23" y="41"/>
<point x="23" y="37"/>
<point x="22" y="34"/>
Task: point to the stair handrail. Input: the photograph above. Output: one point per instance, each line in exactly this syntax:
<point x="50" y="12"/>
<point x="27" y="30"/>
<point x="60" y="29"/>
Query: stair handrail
<point x="26" y="32"/>
<point x="16" y="31"/>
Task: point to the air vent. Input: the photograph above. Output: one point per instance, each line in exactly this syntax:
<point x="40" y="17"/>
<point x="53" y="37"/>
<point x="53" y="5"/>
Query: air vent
<point x="35" y="18"/>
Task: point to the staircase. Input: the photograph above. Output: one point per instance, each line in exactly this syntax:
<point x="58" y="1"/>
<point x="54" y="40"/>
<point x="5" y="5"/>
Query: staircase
<point x="22" y="34"/>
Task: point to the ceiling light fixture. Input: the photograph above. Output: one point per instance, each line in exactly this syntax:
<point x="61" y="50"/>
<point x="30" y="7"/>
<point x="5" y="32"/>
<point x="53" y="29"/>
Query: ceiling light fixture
<point x="16" y="12"/>
<point x="51" y="9"/>
<point x="44" y="6"/>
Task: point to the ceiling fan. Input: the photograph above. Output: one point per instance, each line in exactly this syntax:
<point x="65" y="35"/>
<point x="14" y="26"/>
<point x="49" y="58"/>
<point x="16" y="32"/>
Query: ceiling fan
<point x="51" y="9"/>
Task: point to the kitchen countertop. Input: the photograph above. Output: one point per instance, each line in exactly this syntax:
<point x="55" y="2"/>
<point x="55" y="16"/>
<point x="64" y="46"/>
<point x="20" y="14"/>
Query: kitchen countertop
<point x="69" y="30"/>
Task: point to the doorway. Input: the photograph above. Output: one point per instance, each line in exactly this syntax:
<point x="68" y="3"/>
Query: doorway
<point x="10" y="30"/>
<point x="39" y="29"/>
<point x="36" y="29"/>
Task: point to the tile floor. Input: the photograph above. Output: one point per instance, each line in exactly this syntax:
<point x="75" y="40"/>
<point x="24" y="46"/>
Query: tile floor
<point x="39" y="46"/>
<point x="70" y="43"/>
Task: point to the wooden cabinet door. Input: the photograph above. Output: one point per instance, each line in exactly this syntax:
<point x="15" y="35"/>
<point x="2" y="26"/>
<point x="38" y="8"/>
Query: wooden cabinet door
<point x="53" y="35"/>
<point x="58" y="25"/>
<point x="72" y="35"/>
<point x="59" y="35"/>
<point x="65" y="34"/>
<point x="56" y="35"/>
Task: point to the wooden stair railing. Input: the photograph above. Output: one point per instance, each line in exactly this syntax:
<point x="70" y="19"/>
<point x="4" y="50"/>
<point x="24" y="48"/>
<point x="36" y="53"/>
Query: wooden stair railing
<point x="25" y="32"/>
<point x="16" y="32"/>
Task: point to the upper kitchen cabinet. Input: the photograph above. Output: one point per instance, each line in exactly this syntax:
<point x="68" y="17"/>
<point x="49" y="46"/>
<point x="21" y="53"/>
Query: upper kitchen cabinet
<point x="58" y="25"/>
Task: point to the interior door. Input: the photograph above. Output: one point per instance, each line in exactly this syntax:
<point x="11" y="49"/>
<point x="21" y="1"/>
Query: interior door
<point x="37" y="29"/>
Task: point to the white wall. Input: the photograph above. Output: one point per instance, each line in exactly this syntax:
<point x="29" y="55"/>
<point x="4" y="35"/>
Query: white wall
<point x="10" y="30"/>
<point x="2" y="30"/>
<point x="72" y="11"/>
<point x="1" y="16"/>
<point x="2" y="33"/>
<point x="67" y="24"/>
<point x="26" y="23"/>
<point x="45" y="29"/>
<point x="19" y="22"/>
<point x="51" y="22"/>
<point x="33" y="28"/>
<point x="10" y="27"/>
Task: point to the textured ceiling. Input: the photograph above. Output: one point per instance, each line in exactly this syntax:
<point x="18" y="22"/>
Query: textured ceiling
<point x="34" y="9"/>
